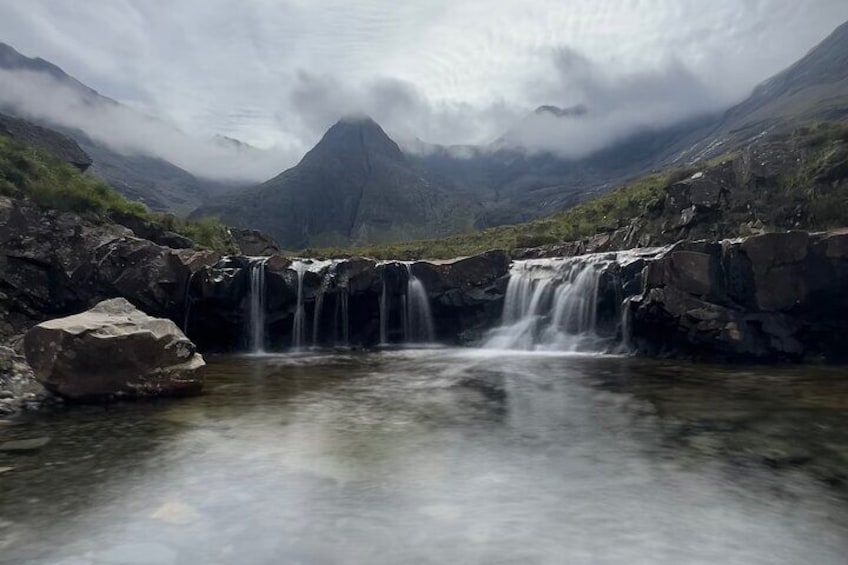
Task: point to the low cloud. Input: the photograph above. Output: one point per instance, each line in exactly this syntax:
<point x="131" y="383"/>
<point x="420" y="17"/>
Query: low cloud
<point x="318" y="101"/>
<point x="613" y="106"/>
<point x="42" y="97"/>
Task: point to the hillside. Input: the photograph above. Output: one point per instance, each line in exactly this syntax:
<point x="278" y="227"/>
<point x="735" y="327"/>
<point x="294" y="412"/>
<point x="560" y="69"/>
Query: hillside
<point x="516" y="186"/>
<point x="52" y="181"/>
<point x="355" y="186"/>
<point x="159" y="184"/>
<point x="780" y="182"/>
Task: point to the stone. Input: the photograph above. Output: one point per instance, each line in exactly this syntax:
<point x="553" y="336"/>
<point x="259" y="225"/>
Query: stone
<point x="4" y="470"/>
<point x="176" y="512"/>
<point x="113" y="350"/>
<point x="254" y="242"/>
<point x="33" y="444"/>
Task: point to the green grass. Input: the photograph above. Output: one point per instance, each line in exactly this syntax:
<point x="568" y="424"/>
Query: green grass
<point x="54" y="184"/>
<point x="824" y="146"/>
<point x="603" y="213"/>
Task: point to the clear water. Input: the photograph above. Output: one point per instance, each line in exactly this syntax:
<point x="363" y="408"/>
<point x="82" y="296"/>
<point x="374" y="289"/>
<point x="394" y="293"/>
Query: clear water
<point x="442" y="456"/>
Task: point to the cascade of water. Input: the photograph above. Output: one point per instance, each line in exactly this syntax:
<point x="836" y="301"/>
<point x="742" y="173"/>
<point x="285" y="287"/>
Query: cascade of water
<point x="626" y="326"/>
<point x="384" y="315"/>
<point x="187" y="302"/>
<point x="257" y="304"/>
<point x="298" y="325"/>
<point x="552" y="304"/>
<point x="316" y="316"/>
<point x="343" y="299"/>
<point x="418" y="319"/>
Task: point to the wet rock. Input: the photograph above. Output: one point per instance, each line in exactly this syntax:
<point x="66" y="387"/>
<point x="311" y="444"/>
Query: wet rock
<point x="113" y="350"/>
<point x="151" y="276"/>
<point x="773" y="297"/>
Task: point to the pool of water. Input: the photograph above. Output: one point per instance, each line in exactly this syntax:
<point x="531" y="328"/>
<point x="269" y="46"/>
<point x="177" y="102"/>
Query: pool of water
<point x="441" y="456"/>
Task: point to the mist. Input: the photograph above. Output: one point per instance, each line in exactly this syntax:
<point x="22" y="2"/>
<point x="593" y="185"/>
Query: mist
<point x="42" y="97"/>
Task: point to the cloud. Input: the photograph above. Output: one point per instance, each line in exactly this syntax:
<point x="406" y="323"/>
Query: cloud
<point x="43" y="97"/>
<point x="277" y="73"/>
<point x="318" y="101"/>
<point x="616" y="105"/>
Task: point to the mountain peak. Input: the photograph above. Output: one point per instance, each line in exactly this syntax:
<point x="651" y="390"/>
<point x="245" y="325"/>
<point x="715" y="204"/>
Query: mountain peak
<point x="13" y="60"/>
<point x="357" y="135"/>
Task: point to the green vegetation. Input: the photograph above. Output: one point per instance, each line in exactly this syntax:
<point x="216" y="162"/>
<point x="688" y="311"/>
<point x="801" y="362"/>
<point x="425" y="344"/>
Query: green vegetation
<point x="54" y="184"/>
<point x="811" y="195"/>
<point x="603" y="213"/>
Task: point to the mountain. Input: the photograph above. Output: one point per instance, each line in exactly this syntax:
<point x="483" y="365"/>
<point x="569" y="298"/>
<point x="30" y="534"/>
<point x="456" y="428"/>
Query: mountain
<point x="158" y="183"/>
<point x="54" y="143"/>
<point x="354" y="187"/>
<point x="515" y="185"/>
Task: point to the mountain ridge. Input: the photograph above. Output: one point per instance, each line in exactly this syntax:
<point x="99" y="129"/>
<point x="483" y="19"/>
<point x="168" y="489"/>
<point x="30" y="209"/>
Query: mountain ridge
<point x="355" y="185"/>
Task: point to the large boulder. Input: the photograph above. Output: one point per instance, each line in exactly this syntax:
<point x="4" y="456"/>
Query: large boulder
<point x="113" y="350"/>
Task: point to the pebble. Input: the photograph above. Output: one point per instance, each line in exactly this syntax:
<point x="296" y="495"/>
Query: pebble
<point x="175" y="512"/>
<point x="25" y="444"/>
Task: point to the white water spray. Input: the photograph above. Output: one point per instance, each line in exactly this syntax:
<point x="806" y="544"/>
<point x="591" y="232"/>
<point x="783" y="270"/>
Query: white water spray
<point x="418" y="319"/>
<point x="298" y="324"/>
<point x="257" y="304"/>
<point x="552" y="304"/>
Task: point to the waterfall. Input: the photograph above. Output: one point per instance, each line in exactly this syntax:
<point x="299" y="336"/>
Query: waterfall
<point x="257" y="304"/>
<point x="316" y="316"/>
<point x="552" y="304"/>
<point x="384" y="315"/>
<point x="341" y="331"/>
<point x="298" y="324"/>
<point x="417" y="318"/>
<point x="626" y="325"/>
<point x="187" y="302"/>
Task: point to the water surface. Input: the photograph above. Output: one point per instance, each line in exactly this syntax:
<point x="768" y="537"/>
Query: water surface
<point x="442" y="456"/>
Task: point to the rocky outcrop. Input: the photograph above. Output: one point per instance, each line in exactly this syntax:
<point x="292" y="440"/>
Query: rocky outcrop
<point x="112" y="351"/>
<point x="18" y="387"/>
<point x="342" y="299"/>
<point x="254" y="243"/>
<point x="777" y="296"/>
<point x="58" y="263"/>
<point x="152" y="231"/>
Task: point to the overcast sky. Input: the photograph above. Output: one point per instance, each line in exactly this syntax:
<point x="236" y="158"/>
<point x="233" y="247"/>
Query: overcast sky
<point x="276" y="74"/>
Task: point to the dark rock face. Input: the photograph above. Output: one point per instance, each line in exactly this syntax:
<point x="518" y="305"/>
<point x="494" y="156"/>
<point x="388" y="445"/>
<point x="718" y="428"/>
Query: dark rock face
<point x="342" y="300"/>
<point x="152" y="231"/>
<point x="254" y="243"/>
<point x="113" y="350"/>
<point x="777" y="296"/>
<point x="55" y="264"/>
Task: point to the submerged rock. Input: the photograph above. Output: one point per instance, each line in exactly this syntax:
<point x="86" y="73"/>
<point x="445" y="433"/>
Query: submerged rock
<point x="113" y="350"/>
<point x="22" y="445"/>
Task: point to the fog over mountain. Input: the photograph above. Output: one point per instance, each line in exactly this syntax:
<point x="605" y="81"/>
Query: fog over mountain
<point x="276" y="75"/>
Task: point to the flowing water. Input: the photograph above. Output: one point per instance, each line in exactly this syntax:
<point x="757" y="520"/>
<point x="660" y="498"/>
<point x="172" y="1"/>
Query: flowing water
<point x="442" y="456"/>
<point x="257" y="304"/>
<point x="418" y="319"/>
<point x="551" y="304"/>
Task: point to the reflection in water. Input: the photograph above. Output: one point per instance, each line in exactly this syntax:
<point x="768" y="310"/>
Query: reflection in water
<point x="442" y="456"/>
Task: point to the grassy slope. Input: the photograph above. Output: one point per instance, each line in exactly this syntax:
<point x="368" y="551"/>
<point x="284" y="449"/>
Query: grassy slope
<point x="51" y="183"/>
<point x="824" y="147"/>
